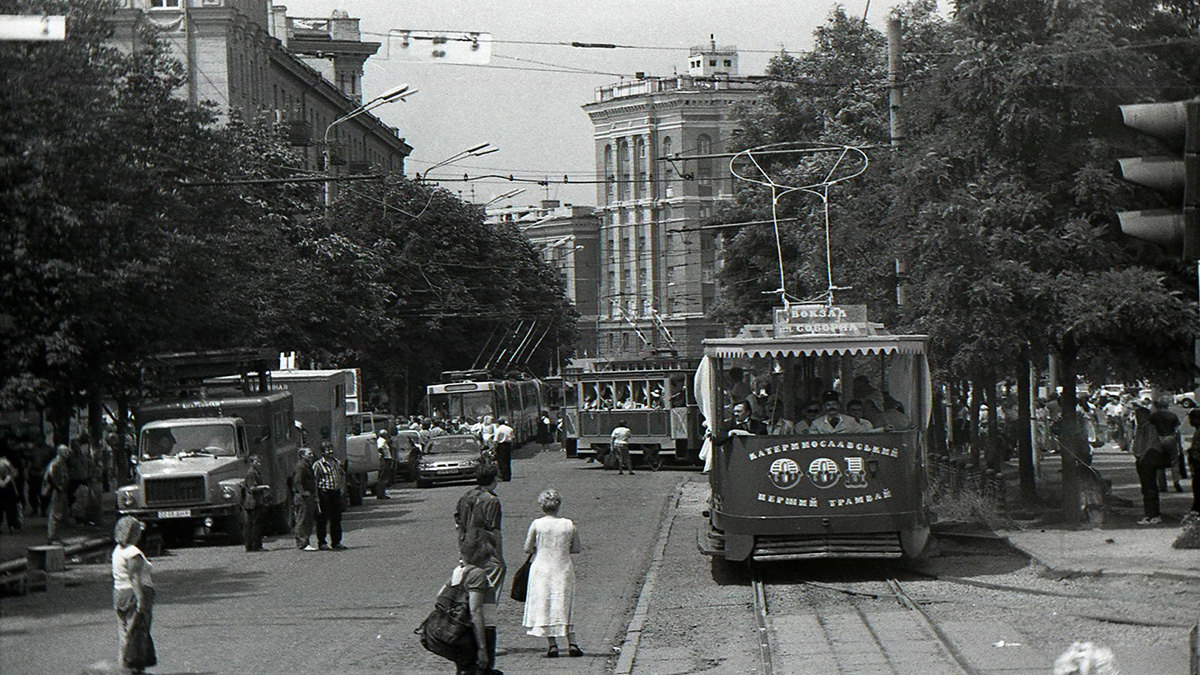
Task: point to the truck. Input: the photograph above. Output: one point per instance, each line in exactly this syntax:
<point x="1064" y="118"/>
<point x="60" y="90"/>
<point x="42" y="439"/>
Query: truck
<point x="193" y="448"/>
<point x="324" y="401"/>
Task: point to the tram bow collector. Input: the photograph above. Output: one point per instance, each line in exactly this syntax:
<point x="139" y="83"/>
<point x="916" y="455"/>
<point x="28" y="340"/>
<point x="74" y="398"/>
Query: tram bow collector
<point x="804" y="490"/>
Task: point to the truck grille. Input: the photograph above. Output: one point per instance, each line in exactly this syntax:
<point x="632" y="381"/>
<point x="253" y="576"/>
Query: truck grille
<point x="175" y="491"/>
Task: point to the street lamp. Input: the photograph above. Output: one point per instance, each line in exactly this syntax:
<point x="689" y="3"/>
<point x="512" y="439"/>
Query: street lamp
<point x="399" y="93"/>
<point x="477" y="151"/>
<point x="500" y="198"/>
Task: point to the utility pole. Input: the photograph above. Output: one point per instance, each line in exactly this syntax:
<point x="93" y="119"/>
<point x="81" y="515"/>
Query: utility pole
<point x="894" y="93"/>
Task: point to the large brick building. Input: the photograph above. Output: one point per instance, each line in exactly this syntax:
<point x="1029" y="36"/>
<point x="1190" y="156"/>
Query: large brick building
<point x="655" y="140"/>
<point x="253" y="60"/>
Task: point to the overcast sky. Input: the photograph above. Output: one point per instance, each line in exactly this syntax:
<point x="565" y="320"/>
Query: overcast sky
<point x="523" y="102"/>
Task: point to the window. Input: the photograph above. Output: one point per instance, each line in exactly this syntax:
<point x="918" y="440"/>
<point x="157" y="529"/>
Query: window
<point x="704" y="144"/>
<point x="728" y="63"/>
<point x="712" y="62"/>
<point x="164" y="4"/>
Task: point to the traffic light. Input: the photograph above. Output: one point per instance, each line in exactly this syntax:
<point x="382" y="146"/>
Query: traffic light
<point x="1176" y="124"/>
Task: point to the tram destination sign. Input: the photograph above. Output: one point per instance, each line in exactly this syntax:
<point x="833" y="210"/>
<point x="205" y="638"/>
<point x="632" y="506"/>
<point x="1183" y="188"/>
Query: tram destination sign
<point x="817" y="319"/>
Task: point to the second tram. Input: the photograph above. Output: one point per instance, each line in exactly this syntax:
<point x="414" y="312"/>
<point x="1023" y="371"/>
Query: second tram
<point x="838" y="468"/>
<point x="474" y="395"/>
<point x="654" y="398"/>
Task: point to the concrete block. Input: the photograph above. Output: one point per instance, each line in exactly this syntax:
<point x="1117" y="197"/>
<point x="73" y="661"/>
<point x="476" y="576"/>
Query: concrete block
<point x="46" y="558"/>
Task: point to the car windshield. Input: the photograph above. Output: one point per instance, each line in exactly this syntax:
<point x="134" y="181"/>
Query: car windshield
<point x="182" y="441"/>
<point x="446" y="445"/>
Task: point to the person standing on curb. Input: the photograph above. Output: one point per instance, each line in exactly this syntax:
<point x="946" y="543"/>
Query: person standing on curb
<point x="55" y="484"/>
<point x="503" y="439"/>
<point x="477" y="514"/>
<point x="620" y="447"/>
<point x="304" y="499"/>
<point x="1146" y="448"/>
<point x="331" y="486"/>
<point x="1193" y="457"/>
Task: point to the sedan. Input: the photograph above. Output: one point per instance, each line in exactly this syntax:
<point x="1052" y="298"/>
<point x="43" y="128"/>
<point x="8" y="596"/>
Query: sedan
<point x="406" y="444"/>
<point x="448" y="459"/>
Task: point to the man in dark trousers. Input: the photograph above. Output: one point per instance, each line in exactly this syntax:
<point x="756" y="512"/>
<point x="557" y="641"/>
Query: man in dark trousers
<point x="55" y="482"/>
<point x="479" y="510"/>
<point x="304" y="498"/>
<point x="503" y="438"/>
<point x="331" y="484"/>
<point x="253" y="500"/>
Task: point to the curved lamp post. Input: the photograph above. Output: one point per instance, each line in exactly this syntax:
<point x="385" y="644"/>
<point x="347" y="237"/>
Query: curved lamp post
<point x="477" y="151"/>
<point x="399" y="93"/>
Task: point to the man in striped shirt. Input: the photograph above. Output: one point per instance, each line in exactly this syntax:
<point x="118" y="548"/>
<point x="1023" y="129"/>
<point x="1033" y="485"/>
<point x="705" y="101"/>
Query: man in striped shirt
<point x="331" y="484"/>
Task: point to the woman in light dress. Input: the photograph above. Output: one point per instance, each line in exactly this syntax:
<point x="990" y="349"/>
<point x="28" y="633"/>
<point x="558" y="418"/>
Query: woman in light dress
<point x="551" y="592"/>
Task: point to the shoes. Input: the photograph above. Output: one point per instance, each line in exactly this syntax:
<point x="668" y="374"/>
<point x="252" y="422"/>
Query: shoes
<point x="631" y="472"/>
<point x="574" y="650"/>
<point x="323" y="547"/>
<point x="1150" y="521"/>
<point x="620" y="473"/>
<point x="383" y="497"/>
<point x="310" y="547"/>
<point x="339" y="547"/>
<point x="552" y="653"/>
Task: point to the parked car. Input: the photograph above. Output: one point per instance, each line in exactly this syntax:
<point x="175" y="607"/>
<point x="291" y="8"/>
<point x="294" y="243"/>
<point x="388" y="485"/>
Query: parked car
<point x="1187" y="399"/>
<point x="407" y="446"/>
<point x="448" y="459"/>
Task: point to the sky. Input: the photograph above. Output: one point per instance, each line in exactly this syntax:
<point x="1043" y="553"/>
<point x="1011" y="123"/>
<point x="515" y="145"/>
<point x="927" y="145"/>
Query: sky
<point x="528" y="100"/>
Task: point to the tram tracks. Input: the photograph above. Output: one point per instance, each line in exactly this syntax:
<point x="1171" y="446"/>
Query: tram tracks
<point x="867" y="626"/>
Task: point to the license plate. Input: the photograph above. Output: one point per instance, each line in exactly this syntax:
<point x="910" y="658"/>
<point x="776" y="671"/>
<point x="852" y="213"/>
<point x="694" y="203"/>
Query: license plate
<point x="181" y="513"/>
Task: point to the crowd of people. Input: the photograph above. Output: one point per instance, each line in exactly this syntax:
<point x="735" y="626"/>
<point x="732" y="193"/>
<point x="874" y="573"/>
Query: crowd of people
<point x="65" y="482"/>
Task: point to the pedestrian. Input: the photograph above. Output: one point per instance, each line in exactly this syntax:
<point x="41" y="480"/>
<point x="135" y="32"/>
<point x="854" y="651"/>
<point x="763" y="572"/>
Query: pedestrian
<point x="544" y="434"/>
<point x="10" y="495"/>
<point x="331" y="491"/>
<point x="56" y="482"/>
<point x="471" y="576"/>
<point x="503" y="439"/>
<point x="79" y="465"/>
<point x="1145" y="447"/>
<point x="1193" y="457"/>
<point x="133" y="597"/>
<point x="40" y="454"/>
<point x="478" y="511"/>
<point x="550" y="595"/>
<point x="386" y="464"/>
<point x="304" y="499"/>
<point x="1167" y="424"/>
<point x="253" y="502"/>
<point x="620" y="447"/>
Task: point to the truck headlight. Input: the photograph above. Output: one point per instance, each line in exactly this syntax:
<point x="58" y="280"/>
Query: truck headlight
<point x="230" y="491"/>
<point x="126" y="497"/>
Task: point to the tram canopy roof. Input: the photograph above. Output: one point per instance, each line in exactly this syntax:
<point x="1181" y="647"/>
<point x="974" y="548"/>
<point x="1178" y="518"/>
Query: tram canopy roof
<point x="758" y="341"/>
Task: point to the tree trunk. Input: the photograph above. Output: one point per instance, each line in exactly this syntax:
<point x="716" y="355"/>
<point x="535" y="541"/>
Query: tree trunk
<point x="1025" y="469"/>
<point x="973" y="395"/>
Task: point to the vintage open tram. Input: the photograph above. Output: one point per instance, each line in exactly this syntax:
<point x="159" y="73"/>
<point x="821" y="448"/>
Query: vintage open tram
<point x="808" y="493"/>
<point x="653" y="397"/>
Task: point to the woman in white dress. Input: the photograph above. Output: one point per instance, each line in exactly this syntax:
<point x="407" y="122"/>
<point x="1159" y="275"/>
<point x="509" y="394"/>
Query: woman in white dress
<point x="551" y="592"/>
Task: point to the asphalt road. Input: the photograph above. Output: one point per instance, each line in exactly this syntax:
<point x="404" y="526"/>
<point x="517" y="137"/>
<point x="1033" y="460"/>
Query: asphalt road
<point x="222" y="610"/>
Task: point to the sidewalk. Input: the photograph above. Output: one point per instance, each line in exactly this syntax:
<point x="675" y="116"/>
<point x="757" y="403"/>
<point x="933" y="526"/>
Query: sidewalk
<point x="1119" y="546"/>
<point x="74" y="535"/>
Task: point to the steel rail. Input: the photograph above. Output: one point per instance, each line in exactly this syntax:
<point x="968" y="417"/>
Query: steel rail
<point x="766" y="659"/>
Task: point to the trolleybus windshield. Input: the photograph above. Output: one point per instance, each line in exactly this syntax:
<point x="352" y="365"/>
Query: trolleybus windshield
<point x="473" y="404"/>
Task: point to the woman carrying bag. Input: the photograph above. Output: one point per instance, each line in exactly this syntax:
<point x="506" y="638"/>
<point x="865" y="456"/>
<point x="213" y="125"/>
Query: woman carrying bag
<point x="133" y="596"/>
<point x="550" y="592"/>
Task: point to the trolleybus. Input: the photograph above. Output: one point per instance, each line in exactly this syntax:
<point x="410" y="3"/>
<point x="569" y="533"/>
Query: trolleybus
<point x="476" y="394"/>
<point x="654" y="398"/>
<point x="844" y="486"/>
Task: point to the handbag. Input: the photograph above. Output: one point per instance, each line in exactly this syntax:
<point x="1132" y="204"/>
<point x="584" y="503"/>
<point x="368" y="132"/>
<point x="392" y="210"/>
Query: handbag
<point x="448" y="631"/>
<point x="520" y="582"/>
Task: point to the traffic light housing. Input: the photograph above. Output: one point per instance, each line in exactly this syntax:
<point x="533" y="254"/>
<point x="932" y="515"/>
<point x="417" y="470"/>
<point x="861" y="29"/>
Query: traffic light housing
<point x="1177" y="177"/>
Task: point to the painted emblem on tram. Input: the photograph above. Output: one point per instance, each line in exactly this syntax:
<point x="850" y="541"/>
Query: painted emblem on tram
<point x="856" y="473"/>
<point x="785" y="473"/>
<point x="824" y="472"/>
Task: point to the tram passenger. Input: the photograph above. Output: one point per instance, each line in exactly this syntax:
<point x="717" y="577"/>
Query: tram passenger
<point x="858" y="410"/>
<point x="780" y="424"/>
<point x="809" y="412"/>
<point x="893" y="416"/>
<point x="743" y="420"/>
<point x="833" y="420"/>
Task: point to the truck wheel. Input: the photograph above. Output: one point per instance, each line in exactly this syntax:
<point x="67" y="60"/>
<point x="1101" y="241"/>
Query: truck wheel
<point x="233" y="527"/>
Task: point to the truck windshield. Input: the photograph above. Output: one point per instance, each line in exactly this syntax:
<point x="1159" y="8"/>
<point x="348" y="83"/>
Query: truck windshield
<point x="204" y="439"/>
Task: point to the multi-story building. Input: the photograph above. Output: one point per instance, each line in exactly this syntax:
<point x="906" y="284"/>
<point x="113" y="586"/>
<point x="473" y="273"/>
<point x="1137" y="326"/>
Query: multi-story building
<point x="252" y="60"/>
<point x="568" y="238"/>
<point x="659" y="142"/>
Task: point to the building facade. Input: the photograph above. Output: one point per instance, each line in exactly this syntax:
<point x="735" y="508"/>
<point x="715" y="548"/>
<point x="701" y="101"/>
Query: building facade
<point x="254" y="61"/>
<point x="659" y="142"/>
<point x="568" y="238"/>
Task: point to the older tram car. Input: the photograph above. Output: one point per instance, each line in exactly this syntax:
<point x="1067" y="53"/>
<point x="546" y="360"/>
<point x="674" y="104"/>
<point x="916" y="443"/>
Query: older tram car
<point x="654" y="398"/>
<point x="836" y="466"/>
